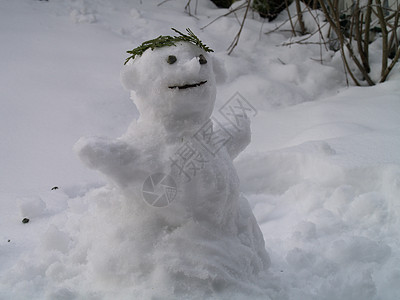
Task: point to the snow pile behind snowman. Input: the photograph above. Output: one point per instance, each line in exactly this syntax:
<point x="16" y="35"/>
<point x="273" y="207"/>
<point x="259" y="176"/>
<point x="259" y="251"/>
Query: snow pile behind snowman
<point x="196" y="237"/>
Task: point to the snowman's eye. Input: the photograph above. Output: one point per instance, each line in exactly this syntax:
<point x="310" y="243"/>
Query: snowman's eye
<point x="202" y="59"/>
<point x="171" y="59"/>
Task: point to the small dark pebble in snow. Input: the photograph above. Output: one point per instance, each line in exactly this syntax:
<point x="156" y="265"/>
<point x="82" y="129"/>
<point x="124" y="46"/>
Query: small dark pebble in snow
<point x="9" y="240"/>
<point x="54" y="188"/>
<point x="25" y="220"/>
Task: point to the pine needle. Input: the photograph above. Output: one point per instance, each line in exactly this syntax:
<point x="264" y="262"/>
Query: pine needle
<point x="166" y="41"/>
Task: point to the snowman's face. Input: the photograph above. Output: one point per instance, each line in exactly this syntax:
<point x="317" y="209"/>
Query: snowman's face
<point x="172" y="83"/>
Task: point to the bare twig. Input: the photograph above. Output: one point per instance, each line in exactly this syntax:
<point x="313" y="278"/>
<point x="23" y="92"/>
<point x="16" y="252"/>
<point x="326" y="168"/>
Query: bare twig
<point x="321" y="35"/>
<point x="225" y="15"/>
<point x="358" y="21"/>
<point x="237" y="18"/>
<point x="237" y="37"/>
<point x="385" y="51"/>
<point x="306" y="43"/>
<point x="390" y="68"/>
<point x="277" y="27"/>
<point x="396" y="46"/>
<point x="260" y="33"/>
<point x="336" y="27"/>
<point x="311" y="35"/>
<point x="187" y="9"/>
<point x="367" y="29"/>
<point x="290" y="18"/>
<point x="394" y="41"/>
<point x="281" y="61"/>
<point x="334" y="21"/>
<point x="300" y="17"/>
<point x="161" y="3"/>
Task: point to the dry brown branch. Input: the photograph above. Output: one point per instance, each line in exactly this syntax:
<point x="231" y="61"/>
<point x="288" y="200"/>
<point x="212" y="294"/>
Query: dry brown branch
<point x="225" y="15"/>
<point x="385" y="50"/>
<point x="396" y="46"/>
<point x="358" y="21"/>
<point x="187" y="9"/>
<point x="318" y="31"/>
<point x="367" y="29"/>
<point x="335" y="25"/>
<point x="237" y="37"/>
<point x="334" y="21"/>
<point x="321" y="35"/>
<point x="161" y="3"/>
<point x="290" y="18"/>
<point x="261" y="28"/>
<point x="277" y="28"/>
<point x="300" y="17"/>
<point x="306" y="43"/>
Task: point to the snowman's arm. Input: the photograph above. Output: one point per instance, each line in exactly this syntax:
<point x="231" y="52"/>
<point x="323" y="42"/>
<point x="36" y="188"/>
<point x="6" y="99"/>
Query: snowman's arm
<point x="240" y="137"/>
<point x="111" y="157"/>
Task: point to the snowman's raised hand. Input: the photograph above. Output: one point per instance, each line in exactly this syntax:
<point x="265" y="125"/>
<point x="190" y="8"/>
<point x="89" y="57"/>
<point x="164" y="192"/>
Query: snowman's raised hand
<point x="113" y="158"/>
<point x="240" y="136"/>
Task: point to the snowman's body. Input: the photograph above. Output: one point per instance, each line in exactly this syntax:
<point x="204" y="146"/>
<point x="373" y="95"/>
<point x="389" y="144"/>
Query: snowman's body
<point x="208" y="233"/>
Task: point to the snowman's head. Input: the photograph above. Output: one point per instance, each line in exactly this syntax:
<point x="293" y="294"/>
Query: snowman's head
<point x="173" y="84"/>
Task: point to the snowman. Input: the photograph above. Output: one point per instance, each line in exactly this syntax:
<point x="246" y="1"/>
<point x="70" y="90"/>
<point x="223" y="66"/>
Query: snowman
<point x="174" y="170"/>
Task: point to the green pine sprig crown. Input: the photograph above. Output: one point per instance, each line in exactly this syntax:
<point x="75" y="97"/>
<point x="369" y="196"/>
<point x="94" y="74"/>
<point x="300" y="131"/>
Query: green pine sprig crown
<point x="165" y="41"/>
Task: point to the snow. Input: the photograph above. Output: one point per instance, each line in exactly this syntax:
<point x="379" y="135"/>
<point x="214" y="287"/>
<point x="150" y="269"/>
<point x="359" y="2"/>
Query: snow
<point x="321" y="174"/>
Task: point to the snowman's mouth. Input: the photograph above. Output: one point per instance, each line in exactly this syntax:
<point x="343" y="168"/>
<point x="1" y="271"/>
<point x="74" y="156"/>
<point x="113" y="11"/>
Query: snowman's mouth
<point x="186" y="86"/>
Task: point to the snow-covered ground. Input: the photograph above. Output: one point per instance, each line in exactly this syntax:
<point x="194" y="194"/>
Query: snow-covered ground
<point x="322" y="173"/>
